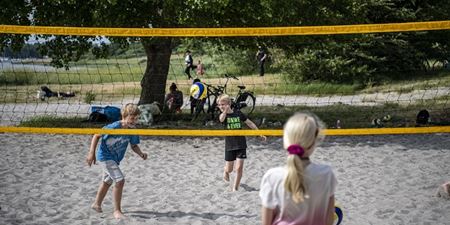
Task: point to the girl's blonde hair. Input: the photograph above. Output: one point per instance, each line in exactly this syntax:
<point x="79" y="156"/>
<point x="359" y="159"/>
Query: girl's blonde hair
<point x="224" y="97"/>
<point x="304" y="130"/>
<point x="130" y="109"/>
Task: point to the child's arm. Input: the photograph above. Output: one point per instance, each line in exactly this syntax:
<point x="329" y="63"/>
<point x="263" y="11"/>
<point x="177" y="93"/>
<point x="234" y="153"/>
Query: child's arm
<point x="138" y="151"/>
<point x="91" y="154"/>
<point x="330" y="211"/>
<point x="254" y="127"/>
<point x="222" y="116"/>
<point x="225" y="109"/>
<point x="267" y="216"/>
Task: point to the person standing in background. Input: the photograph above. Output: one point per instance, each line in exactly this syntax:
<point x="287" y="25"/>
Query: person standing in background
<point x="261" y="58"/>
<point x="200" y="69"/>
<point x="189" y="64"/>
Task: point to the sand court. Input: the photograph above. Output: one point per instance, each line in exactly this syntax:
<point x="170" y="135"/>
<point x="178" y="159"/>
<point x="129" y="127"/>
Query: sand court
<point x="388" y="179"/>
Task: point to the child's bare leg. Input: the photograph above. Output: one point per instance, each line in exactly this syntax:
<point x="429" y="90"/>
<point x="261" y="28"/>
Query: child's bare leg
<point x="446" y="188"/>
<point x="227" y="170"/>
<point x="239" y="171"/>
<point x="102" y="190"/>
<point x="117" y="194"/>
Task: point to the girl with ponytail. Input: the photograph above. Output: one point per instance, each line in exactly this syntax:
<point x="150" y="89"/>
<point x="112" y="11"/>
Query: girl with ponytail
<point x="301" y="192"/>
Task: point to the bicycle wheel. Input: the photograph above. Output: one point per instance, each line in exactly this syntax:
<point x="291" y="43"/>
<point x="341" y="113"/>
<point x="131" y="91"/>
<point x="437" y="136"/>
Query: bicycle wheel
<point x="213" y="111"/>
<point x="246" y="103"/>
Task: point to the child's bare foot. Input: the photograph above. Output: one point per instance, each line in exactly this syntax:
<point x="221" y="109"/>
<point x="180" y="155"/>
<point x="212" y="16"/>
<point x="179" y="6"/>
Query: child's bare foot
<point x="97" y="208"/>
<point x="118" y="215"/>
<point x="226" y="176"/>
<point x="444" y="191"/>
<point x="234" y="189"/>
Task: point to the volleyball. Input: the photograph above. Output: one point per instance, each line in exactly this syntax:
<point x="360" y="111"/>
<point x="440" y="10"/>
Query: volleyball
<point x="338" y="215"/>
<point x="198" y="90"/>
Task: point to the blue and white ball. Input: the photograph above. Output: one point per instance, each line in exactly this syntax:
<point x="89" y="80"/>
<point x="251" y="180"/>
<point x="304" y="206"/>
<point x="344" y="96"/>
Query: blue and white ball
<point x="198" y="90"/>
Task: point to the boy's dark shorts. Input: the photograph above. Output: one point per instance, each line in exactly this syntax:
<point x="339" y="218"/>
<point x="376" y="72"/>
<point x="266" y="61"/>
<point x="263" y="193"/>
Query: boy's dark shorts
<point x="232" y="155"/>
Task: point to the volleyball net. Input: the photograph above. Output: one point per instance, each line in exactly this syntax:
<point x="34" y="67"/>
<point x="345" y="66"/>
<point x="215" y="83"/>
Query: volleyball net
<point x="384" y="76"/>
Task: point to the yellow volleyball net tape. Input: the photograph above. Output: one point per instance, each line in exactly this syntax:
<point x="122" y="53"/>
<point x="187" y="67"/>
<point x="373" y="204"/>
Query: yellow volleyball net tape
<point x="207" y="133"/>
<point x="227" y="32"/>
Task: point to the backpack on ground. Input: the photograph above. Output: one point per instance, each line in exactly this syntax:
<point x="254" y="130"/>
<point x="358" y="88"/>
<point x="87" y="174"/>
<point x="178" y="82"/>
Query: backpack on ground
<point x="104" y="114"/>
<point x="422" y="117"/>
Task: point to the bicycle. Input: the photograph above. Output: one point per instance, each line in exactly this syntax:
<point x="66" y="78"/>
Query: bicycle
<point x="244" y="101"/>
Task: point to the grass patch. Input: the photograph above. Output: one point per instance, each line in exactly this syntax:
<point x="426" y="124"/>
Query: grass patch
<point x="275" y="116"/>
<point x="441" y="79"/>
<point x="315" y="89"/>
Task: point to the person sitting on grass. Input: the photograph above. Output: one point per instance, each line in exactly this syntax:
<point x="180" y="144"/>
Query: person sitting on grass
<point x="174" y="99"/>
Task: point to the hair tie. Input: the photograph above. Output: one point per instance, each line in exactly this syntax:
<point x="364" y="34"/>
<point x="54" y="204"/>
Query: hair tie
<point x="296" y="149"/>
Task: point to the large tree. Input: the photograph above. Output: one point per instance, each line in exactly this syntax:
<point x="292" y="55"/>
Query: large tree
<point x="359" y="55"/>
<point x="126" y="14"/>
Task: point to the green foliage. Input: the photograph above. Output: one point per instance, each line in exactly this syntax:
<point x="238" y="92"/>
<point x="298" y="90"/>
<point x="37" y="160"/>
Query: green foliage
<point x="302" y="88"/>
<point x="350" y="59"/>
<point x="349" y="116"/>
<point x="60" y="121"/>
<point x="322" y="66"/>
<point x="233" y="60"/>
<point x="90" y="74"/>
<point x="14" y="13"/>
<point x="89" y="97"/>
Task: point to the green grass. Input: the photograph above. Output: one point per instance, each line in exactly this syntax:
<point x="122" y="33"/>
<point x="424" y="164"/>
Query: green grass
<point x="116" y="79"/>
<point x="315" y="89"/>
<point x="275" y="116"/>
<point x="87" y="76"/>
<point x="120" y="70"/>
<point x="416" y="82"/>
<point x="63" y="122"/>
<point x="358" y="116"/>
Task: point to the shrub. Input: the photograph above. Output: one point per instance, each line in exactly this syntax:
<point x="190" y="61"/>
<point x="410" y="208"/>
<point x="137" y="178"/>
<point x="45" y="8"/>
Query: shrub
<point x="319" y="65"/>
<point x="89" y="97"/>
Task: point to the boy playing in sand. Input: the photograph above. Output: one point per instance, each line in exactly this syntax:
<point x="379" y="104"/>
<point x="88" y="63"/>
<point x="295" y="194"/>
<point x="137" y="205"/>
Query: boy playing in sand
<point x="235" y="146"/>
<point x="109" y="154"/>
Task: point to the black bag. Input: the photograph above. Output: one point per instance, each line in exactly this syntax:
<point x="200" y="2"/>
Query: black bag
<point x="97" y="117"/>
<point x="422" y="117"/>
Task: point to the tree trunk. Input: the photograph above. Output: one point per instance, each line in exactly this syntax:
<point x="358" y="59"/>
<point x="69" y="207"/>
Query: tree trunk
<point x="153" y="82"/>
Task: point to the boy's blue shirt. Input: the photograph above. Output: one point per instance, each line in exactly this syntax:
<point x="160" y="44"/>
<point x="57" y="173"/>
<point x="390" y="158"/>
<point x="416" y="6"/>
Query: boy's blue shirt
<point x="113" y="147"/>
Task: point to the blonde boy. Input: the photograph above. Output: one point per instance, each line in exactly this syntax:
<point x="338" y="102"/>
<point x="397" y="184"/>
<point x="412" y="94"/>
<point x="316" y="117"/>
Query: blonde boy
<point x="109" y="154"/>
<point x="235" y="146"/>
